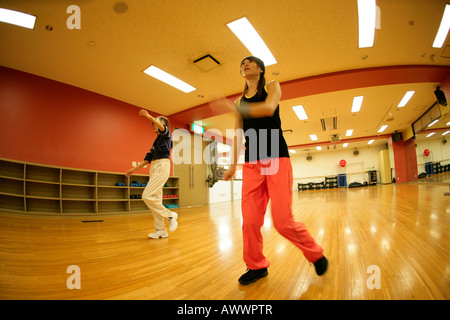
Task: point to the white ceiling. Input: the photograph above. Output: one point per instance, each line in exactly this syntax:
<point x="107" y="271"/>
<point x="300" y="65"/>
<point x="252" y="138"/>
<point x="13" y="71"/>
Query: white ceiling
<point x="308" y="38"/>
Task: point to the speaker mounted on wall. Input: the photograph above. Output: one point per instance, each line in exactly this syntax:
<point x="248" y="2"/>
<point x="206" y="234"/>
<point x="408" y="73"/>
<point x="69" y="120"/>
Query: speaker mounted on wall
<point x="396" y="137"/>
<point x="440" y="96"/>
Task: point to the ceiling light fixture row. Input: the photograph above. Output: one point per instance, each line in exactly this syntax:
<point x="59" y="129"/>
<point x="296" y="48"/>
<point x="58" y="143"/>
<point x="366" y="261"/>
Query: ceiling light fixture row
<point x="345" y="144"/>
<point x="356" y="107"/>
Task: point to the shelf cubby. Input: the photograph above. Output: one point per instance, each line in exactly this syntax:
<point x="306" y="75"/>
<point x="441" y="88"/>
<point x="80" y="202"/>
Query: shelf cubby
<point x="111" y="179"/>
<point x="137" y="206"/>
<point x="78" y="206"/>
<point x="70" y="192"/>
<point x="40" y="205"/>
<point x="43" y="174"/>
<point x="11" y="169"/>
<point x="112" y="206"/>
<point x="42" y="190"/>
<point x="12" y="203"/>
<point x="11" y="186"/>
<point x="112" y="193"/>
<point x="77" y="177"/>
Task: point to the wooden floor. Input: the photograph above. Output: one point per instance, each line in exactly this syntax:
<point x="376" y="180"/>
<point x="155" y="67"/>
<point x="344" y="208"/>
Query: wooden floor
<point x="401" y="229"/>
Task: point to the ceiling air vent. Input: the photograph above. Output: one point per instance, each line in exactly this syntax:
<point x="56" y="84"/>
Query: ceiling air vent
<point x="329" y="123"/>
<point x="206" y="62"/>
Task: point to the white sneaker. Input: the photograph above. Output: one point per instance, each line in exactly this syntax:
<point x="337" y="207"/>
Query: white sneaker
<point x="158" y="234"/>
<point x="173" y="224"/>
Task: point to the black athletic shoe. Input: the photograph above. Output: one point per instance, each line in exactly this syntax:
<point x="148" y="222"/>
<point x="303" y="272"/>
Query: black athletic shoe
<point x="252" y="276"/>
<point x="321" y="266"/>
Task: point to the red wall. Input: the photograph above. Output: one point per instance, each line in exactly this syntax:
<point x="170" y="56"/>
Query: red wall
<point x="445" y="86"/>
<point x="405" y="160"/>
<point x="48" y="122"/>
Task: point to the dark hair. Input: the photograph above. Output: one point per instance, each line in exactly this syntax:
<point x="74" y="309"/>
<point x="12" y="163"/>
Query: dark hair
<point x="262" y="78"/>
<point x="165" y="121"/>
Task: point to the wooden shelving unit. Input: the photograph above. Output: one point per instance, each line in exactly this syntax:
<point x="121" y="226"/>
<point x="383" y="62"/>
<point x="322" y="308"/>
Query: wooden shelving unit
<point x="42" y="189"/>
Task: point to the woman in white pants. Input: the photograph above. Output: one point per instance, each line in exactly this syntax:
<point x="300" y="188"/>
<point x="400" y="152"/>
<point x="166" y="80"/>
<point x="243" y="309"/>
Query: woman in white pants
<point x="159" y="159"/>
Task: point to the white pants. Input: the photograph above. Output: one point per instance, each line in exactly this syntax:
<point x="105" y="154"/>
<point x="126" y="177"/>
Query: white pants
<point x="152" y="195"/>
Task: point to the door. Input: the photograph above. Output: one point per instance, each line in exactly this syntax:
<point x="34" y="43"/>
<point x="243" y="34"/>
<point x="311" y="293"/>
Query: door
<point x="192" y="172"/>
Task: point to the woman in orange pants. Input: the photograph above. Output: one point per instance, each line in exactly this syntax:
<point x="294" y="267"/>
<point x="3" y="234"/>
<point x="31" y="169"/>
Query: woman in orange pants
<point x="267" y="173"/>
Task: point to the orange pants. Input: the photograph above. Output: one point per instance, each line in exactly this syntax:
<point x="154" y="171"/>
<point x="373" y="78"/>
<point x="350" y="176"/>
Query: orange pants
<point x="273" y="180"/>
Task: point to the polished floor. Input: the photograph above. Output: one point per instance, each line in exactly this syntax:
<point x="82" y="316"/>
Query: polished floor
<point x="383" y="242"/>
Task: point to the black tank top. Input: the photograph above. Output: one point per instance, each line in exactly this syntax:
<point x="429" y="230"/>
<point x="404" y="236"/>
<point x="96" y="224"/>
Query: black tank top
<point x="263" y="136"/>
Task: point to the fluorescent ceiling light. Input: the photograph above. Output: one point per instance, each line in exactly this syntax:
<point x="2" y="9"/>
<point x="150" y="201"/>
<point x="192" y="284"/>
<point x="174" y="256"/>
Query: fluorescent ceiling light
<point x="319" y="148"/>
<point x="349" y="133"/>
<point x="245" y="32"/>
<point x="430" y="134"/>
<point x="370" y="141"/>
<point x="357" y="102"/>
<point x="17" y="18"/>
<point x="169" y="79"/>
<point x="432" y="123"/>
<point x="300" y="112"/>
<point x="446" y="132"/>
<point x="443" y="28"/>
<point x="405" y="99"/>
<point x="313" y="137"/>
<point x="345" y="145"/>
<point x="366" y="22"/>
<point x="292" y="151"/>
<point x="383" y="127"/>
